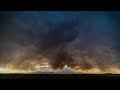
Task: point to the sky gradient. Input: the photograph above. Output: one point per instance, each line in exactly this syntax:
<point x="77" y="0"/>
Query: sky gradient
<point x="89" y="39"/>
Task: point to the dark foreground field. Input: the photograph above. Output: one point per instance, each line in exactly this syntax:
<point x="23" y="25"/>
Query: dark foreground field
<point x="59" y="76"/>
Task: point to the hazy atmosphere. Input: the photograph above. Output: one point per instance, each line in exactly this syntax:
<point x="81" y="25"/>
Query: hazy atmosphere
<point x="49" y="41"/>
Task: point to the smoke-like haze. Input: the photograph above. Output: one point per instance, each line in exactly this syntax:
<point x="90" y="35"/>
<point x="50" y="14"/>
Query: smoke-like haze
<point x="84" y="38"/>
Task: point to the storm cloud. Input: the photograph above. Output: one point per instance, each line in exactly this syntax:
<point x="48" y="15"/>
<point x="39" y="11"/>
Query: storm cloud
<point x="73" y="38"/>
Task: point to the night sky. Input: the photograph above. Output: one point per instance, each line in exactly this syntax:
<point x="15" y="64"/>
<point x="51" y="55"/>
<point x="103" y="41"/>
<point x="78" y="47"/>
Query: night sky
<point x="74" y="38"/>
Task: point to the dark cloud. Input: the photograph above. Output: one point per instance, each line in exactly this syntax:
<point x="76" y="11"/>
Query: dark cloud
<point x="73" y="38"/>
